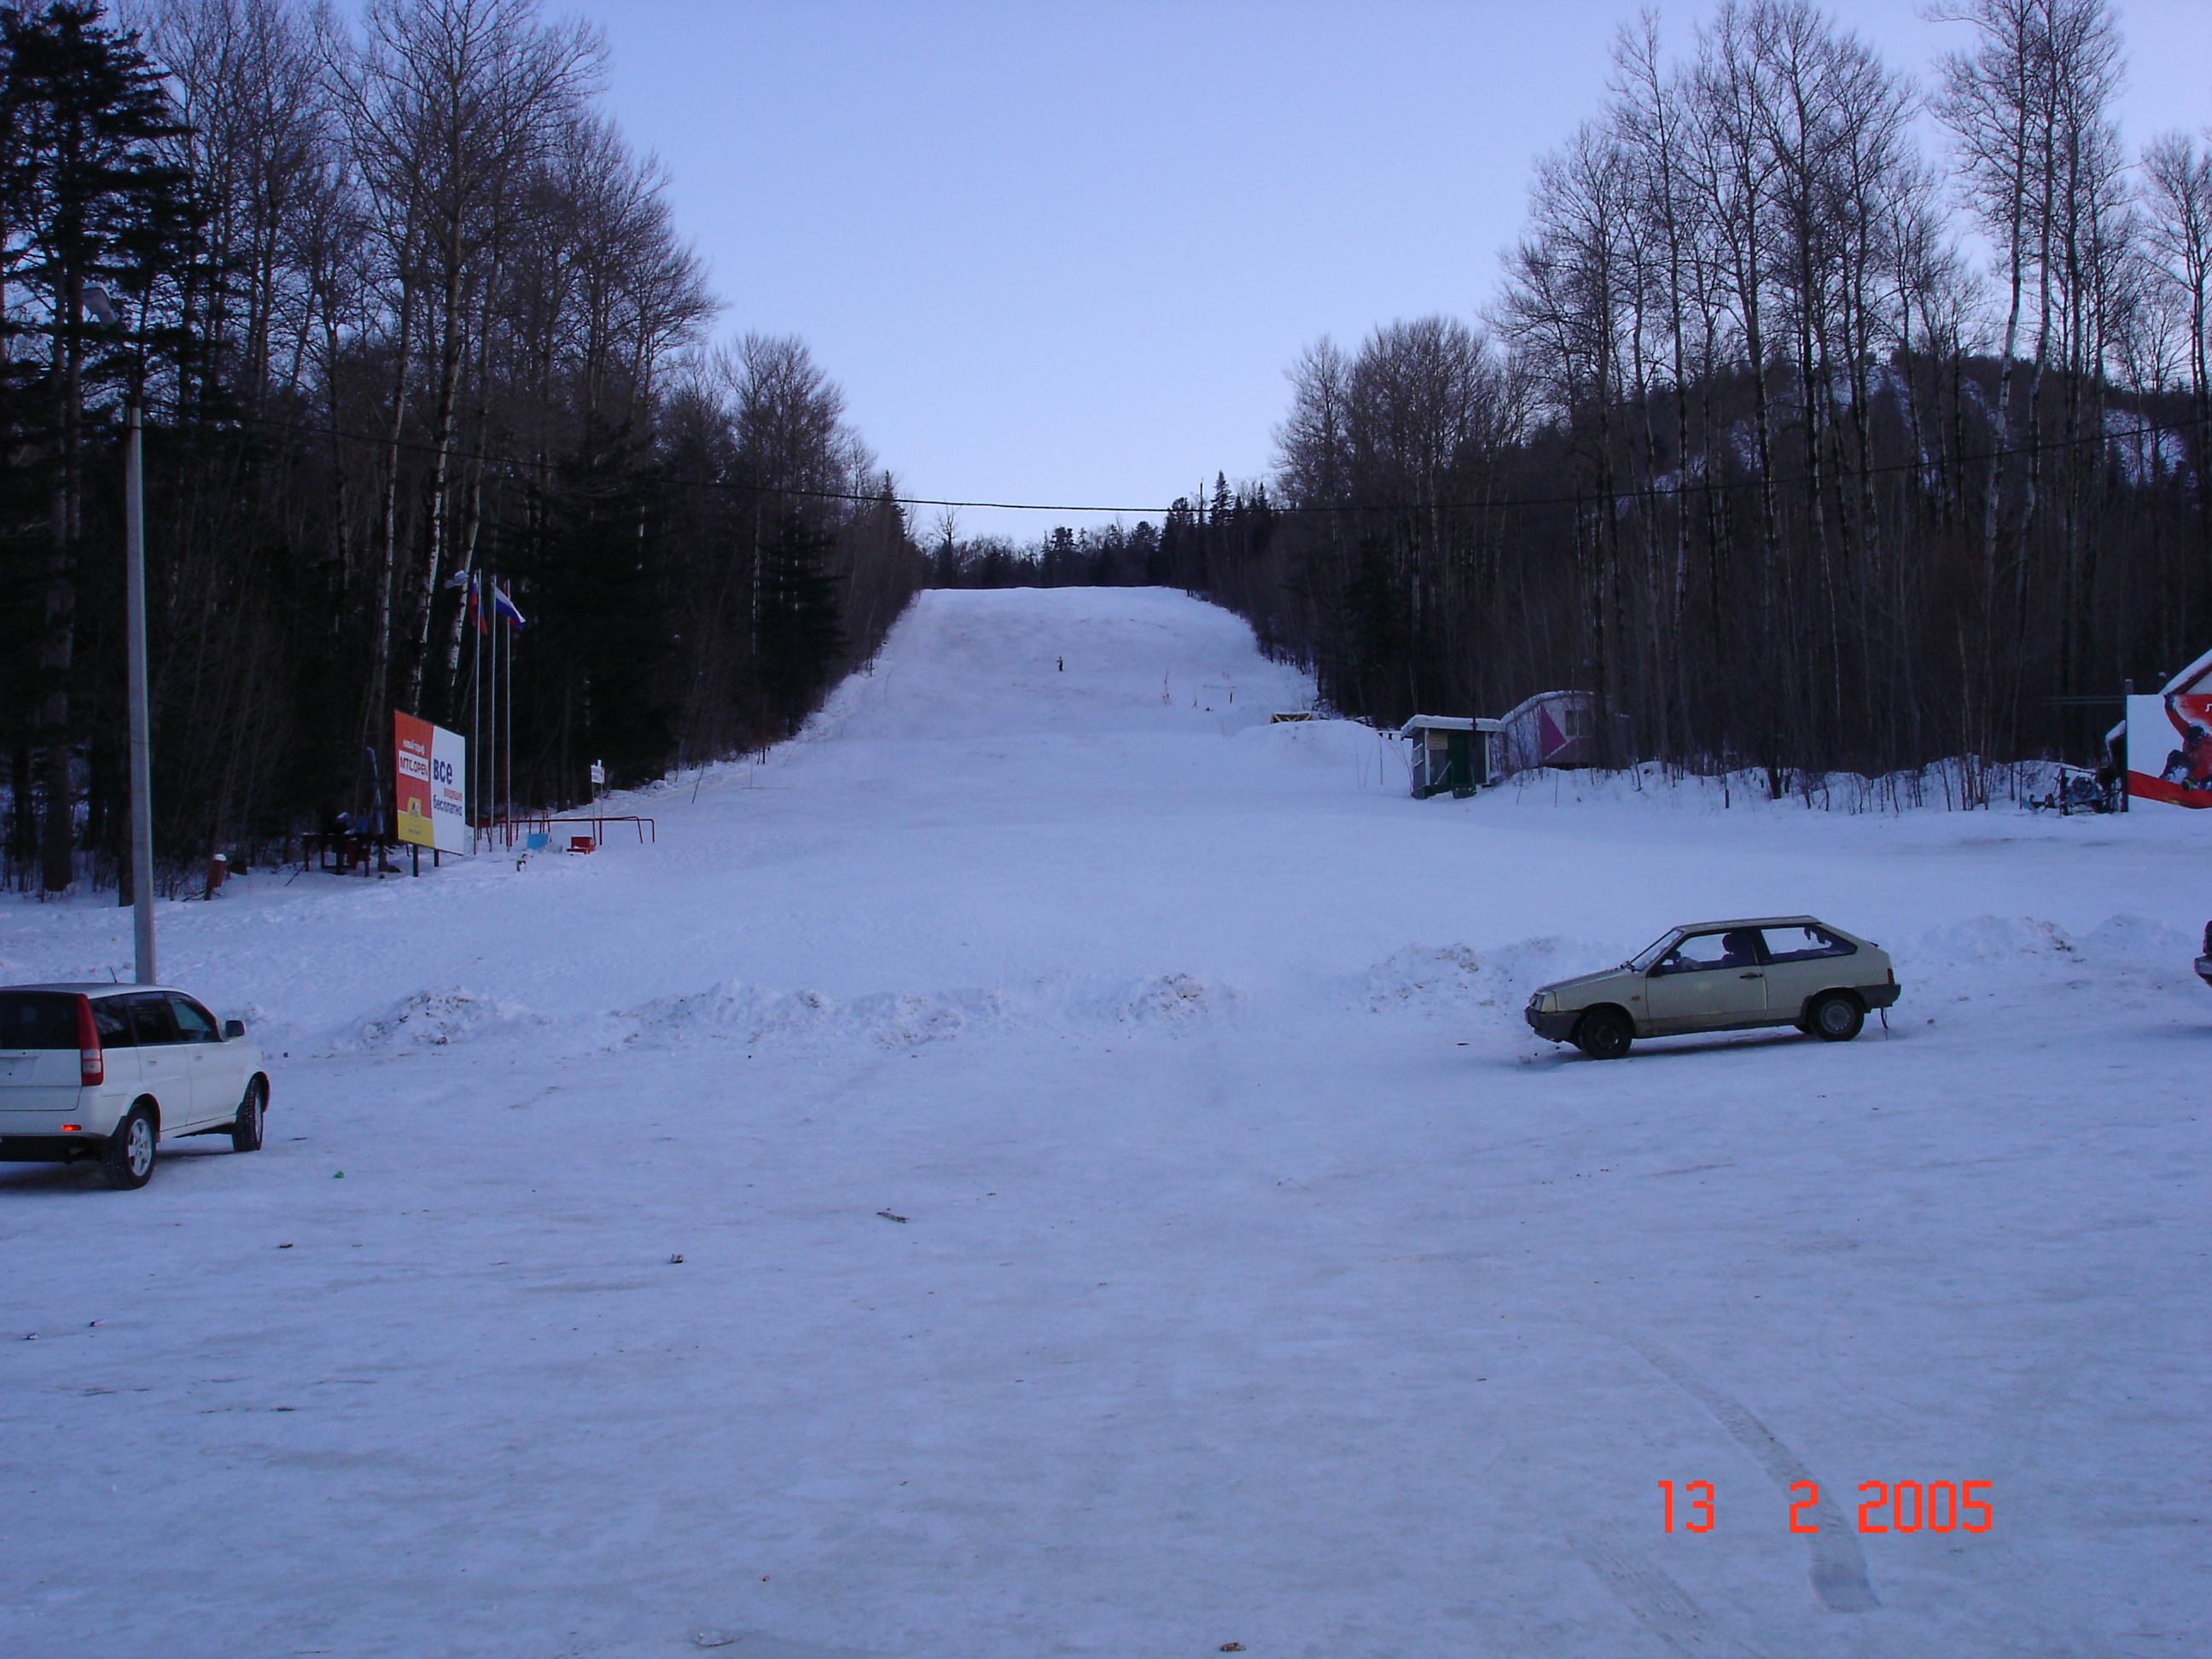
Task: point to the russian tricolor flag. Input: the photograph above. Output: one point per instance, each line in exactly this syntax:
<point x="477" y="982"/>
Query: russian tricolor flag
<point x="478" y="614"/>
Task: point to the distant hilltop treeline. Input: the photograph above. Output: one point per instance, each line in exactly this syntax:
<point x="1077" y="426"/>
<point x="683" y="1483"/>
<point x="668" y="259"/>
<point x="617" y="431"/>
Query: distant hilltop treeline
<point x="1746" y="444"/>
<point x="400" y="305"/>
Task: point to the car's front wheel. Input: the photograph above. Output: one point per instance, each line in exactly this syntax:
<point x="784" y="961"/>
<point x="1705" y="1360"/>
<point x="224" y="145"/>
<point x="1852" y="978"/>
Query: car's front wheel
<point x="128" y="1159"/>
<point x="1604" y="1033"/>
<point x="252" y="1112"/>
<point x="1836" y="1017"/>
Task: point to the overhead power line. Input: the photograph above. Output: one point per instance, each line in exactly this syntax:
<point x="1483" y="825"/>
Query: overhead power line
<point x="1495" y="504"/>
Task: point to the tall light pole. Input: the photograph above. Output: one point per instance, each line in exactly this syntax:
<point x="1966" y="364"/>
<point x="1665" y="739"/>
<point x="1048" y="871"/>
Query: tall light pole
<point x="142" y="735"/>
<point x="101" y="304"/>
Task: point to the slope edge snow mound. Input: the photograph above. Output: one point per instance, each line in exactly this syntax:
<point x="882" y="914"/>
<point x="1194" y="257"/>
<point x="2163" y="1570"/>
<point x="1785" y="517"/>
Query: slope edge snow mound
<point x="2122" y="943"/>
<point x="1428" y="980"/>
<point x="2137" y="941"/>
<point x="1454" y="979"/>
<point x="1432" y="979"/>
<point x="1994" y="939"/>
<point x="1172" y="1001"/>
<point x="436" y="1018"/>
<point x="734" y="1010"/>
<point x="1364" y="758"/>
<point x="891" y="1019"/>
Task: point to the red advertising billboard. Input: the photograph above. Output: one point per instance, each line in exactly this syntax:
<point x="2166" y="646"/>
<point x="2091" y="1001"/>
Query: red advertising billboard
<point x="430" y="779"/>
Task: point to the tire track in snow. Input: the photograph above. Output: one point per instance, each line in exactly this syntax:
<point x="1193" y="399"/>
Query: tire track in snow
<point x="1839" y="1569"/>
<point x="1660" y="1605"/>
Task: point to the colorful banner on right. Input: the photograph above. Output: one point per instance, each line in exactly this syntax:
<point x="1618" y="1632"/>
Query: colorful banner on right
<point x="2170" y="749"/>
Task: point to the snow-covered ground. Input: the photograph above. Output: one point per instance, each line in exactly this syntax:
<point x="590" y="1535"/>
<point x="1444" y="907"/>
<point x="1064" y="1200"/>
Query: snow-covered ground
<point x="1259" y="1278"/>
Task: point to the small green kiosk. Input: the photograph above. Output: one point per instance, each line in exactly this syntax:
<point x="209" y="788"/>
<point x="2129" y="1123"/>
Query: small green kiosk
<point x="1451" y="754"/>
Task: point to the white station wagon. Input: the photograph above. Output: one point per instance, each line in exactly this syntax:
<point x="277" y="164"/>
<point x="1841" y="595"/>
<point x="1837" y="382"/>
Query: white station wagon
<point x="1723" y="976"/>
<point x="105" y="1071"/>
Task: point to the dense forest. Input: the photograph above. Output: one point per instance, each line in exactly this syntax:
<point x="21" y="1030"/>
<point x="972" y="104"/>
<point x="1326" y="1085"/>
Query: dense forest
<point x="1799" y="446"/>
<point x="1825" y="418"/>
<point x="423" y="367"/>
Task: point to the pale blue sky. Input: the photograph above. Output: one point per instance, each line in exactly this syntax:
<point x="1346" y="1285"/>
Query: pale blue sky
<point x="1063" y="254"/>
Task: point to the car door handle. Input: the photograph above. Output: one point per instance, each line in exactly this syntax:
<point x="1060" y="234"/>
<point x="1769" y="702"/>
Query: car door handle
<point x="1751" y="976"/>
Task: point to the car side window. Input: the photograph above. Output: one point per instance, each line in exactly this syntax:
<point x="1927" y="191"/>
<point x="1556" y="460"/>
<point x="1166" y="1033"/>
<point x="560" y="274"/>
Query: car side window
<point x="194" y="1023"/>
<point x="1704" y="953"/>
<point x="110" y="1018"/>
<point x="156" y="1024"/>
<point x="1805" y="944"/>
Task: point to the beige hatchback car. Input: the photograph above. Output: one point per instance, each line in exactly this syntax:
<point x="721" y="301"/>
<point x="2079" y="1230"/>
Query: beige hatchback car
<point x="1723" y="976"/>
<point x="103" y="1071"/>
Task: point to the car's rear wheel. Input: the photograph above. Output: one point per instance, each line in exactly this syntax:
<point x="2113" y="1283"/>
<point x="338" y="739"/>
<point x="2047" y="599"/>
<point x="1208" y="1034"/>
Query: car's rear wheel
<point x="1604" y="1033"/>
<point x="1836" y="1017"/>
<point x="127" y="1161"/>
<point x="245" y="1127"/>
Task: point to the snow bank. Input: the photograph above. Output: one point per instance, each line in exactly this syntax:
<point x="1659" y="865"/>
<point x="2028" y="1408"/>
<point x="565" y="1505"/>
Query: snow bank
<point x="439" y="1019"/>
<point x="1458" y="981"/>
<point x="1168" y="1004"/>
<point x="1946" y="785"/>
<point x="1427" y="977"/>
<point x="758" y="1016"/>
<point x="751" y="1015"/>
<point x="1994" y="947"/>
<point x="1168" y="1001"/>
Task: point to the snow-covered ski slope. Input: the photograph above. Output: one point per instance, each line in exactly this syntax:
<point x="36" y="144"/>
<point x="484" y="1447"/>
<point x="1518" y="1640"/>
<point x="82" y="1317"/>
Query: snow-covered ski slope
<point x="1260" y="1279"/>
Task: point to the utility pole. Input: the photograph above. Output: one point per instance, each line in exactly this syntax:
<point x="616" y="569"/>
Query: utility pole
<point x="141" y="736"/>
<point x="101" y="304"/>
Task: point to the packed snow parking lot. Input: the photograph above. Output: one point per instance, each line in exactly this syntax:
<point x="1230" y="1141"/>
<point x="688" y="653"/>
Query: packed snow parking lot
<point x="1049" y="1163"/>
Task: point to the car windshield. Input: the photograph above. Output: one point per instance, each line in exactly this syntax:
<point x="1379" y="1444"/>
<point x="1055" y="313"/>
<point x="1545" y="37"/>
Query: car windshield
<point x="1651" y="952"/>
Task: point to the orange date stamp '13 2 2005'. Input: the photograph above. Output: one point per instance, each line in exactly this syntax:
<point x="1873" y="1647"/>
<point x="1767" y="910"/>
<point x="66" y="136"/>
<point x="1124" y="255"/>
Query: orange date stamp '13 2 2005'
<point x="1894" y="1506"/>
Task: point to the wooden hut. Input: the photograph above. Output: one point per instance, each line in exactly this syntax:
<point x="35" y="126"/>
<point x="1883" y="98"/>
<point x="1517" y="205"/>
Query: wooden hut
<point x="1451" y="754"/>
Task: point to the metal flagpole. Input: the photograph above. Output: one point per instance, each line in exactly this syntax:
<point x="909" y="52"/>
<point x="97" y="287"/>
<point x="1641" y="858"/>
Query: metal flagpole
<point x="476" y="715"/>
<point x="491" y="783"/>
<point x="507" y="746"/>
<point x="468" y="804"/>
<point x="483" y="785"/>
<point x="476" y="755"/>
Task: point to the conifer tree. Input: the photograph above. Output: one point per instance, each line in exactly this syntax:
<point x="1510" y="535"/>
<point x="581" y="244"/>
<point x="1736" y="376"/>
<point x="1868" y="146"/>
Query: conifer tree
<point x="90" y="198"/>
<point x="800" y="633"/>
